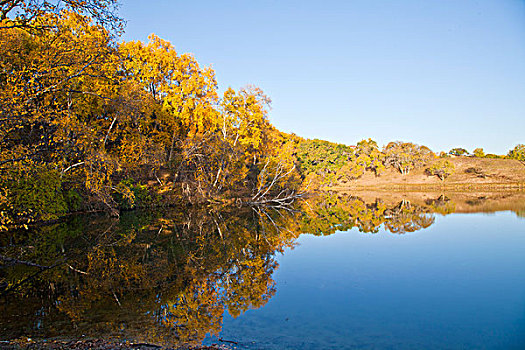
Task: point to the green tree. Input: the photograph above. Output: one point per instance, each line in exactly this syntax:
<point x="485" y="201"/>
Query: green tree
<point x="458" y="152"/>
<point x="323" y="158"/>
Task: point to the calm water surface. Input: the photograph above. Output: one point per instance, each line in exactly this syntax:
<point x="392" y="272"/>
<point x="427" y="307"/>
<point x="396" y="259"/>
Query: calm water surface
<point x="459" y="284"/>
<point x="368" y="275"/>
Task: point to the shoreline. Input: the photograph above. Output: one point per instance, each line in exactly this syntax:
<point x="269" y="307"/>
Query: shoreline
<point x="430" y="187"/>
<point x="97" y="344"/>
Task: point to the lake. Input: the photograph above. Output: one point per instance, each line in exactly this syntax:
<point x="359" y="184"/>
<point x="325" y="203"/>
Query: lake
<point x="344" y="271"/>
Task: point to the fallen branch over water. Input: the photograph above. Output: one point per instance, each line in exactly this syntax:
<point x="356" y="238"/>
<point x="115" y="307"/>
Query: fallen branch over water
<point x="228" y="341"/>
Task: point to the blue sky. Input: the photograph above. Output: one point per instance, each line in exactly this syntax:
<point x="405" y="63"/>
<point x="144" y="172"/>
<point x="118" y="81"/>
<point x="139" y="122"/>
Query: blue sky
<point x="443" y="73"/>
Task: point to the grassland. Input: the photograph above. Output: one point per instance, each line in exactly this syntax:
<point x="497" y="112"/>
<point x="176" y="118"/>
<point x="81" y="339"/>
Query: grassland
<point x="471" y="174"/>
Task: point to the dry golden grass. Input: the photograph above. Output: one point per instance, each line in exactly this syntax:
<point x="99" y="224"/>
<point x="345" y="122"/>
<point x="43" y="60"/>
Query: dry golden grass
<point x="470" y="174"/>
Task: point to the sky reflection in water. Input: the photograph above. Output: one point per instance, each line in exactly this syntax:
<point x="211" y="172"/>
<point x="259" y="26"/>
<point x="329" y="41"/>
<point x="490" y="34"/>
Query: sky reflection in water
<point x="458" y="284"/>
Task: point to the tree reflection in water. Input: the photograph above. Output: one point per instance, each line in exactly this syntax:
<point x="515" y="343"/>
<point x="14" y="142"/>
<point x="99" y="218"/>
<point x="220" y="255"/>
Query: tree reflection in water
<point x="167" y="277"/>
<point x="332" y="212"/>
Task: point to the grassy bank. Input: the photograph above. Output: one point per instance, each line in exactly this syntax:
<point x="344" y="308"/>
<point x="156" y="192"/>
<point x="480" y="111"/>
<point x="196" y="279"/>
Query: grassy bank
<point x="470" y="174"/>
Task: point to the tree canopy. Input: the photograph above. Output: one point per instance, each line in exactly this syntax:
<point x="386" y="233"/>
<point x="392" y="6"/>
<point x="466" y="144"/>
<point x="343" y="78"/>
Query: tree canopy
<point x="406" y="156"/>
<point x="517" y="152"/>
<point x="100" y="121"/>
<point x="458" y="152"/>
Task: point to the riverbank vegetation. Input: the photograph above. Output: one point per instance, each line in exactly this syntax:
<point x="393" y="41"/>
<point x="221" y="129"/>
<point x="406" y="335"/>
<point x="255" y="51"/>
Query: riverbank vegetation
<point x="91" y="123"/>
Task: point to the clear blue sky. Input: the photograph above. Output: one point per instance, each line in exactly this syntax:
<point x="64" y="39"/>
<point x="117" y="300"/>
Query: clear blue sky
<point x="443" y="73"/>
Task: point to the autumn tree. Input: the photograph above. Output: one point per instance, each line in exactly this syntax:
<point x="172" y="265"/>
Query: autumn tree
<point x="442" y="168"/>
<point x="248" y="136"/>
<point x="245" y="120"/>
<point x="87" y="122"/>
<point x="54" y="89"/>
<point x="97" y="120"/>
<point x="185" y="92"/>
<point x="405" y="156"/>
<point x="369" y="157"/>
<point x="349" y="171"/>
<point x="517" y="152"/>
<point x="479" y="153"/>
<point x="24" y="14"/>
<point x="278" y="181"/>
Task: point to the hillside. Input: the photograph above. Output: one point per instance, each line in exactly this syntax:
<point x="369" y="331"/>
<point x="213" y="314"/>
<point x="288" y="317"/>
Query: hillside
<point x="470" y="173"/>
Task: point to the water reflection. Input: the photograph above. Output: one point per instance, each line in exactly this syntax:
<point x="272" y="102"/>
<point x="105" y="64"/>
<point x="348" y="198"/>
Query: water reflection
<point x="168" y="276"/>
<point x="332" y="212"/>
<point x="161" y="277"/>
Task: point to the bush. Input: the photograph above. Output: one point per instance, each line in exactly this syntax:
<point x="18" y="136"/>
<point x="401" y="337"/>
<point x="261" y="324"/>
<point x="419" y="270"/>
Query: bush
<point x="129" y="195"/>
<point x="476" y="171"/>
<point x="478" y="152"/>
<point x="493" y="156"/>
<point x="36" y="194"/>
<point x="458" y="152"/>
<point x="443" y="168"/>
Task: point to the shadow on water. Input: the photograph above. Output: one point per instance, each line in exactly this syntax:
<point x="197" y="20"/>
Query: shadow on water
<point x="167" y="277"/>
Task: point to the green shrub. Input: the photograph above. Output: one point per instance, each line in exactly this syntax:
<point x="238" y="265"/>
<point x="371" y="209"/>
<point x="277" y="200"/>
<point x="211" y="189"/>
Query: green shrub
<point x="129" y="195"/>
<point x="36" y="194"/>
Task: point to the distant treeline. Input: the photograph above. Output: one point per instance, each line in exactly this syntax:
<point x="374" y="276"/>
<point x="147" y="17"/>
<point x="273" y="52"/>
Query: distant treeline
<point x="517" y="152"/>
<point x="328" y="163"/>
